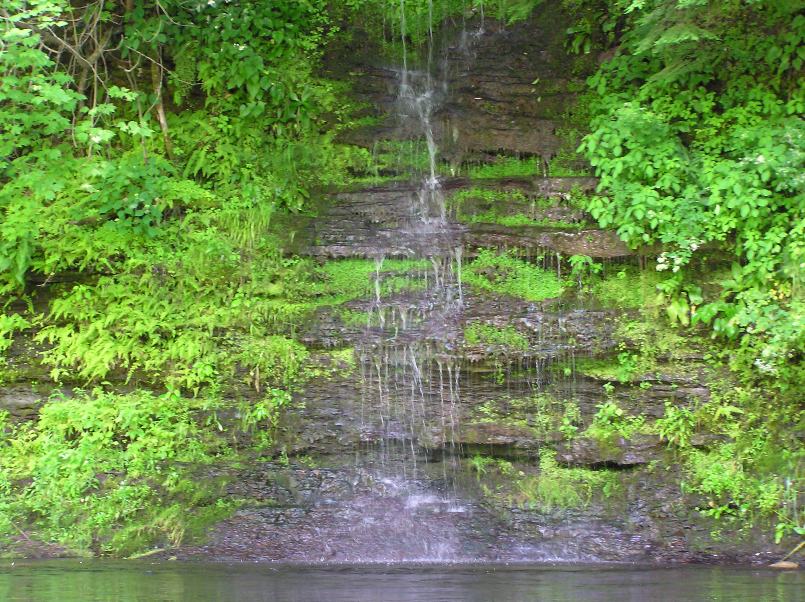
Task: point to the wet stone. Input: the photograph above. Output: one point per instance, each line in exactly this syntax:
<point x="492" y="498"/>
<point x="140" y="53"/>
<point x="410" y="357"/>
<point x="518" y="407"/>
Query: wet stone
<point x="20" y="400"/>
<point x="637" y="450"/>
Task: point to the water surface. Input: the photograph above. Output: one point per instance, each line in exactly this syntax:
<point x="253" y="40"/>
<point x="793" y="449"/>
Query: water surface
<point x="90" y="581"/>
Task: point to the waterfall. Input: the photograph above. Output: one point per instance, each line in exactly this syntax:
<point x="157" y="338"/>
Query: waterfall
<point x="419" y="96"/>
<point x="410" y="381"/>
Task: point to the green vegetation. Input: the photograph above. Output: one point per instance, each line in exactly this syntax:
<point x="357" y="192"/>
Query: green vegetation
<point x="488" y="335"/>
<point x="677" y="425"/>
<point x="611" y="422"/>
<point x="646" y="349"/>
<point x="519" y="220"/>
<point x="553" y="486"/>
<point x="388" y="20"/>
<point x="112" y="473"/>
<point x="751" y="476"/>
<point x="488" y="197"/>
<point x="350" y="279"/>
<point x="390" y="159"/>
<point x="506" y="274"/>
<point x="628" y="288"/>
<point x="543" y="414"/>
<point x="506" y="167"/>
<point x="697" y="136"/>
<point x="698" y="139"/>
<point x="510" y="208"/>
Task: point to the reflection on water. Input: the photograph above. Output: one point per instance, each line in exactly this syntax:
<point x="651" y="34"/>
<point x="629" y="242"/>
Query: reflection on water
<point x="89" y="581"/>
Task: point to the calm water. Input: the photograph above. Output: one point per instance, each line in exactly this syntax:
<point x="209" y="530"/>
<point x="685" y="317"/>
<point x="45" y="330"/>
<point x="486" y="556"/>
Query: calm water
<point x="72" y="581"/>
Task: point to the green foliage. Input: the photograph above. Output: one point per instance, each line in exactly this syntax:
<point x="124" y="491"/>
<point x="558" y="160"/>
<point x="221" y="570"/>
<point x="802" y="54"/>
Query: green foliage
<point x="108" y="472"/>
<point x="698" y="139"/>
<point x="162" y="316"/>
<point x="623" y="369"/>
<point x="610" y="422"/>
<point x="543" y="414"/>
<point x="645" y="348"/>
<point x="36" y="101"/>
<point x="272" y="359"/>
<point x="593" y="24"/>
<point x="250" y="57"/>
<point x="563" y="487"/>
<point x="259" y="418"/>
<point x="84" y="160"/>
<point x="489" y="196"/>
<point x="724" y="477"/>
<point x="506" y="167"/>
<point x="9" y="323"/>
<point x="485" y="334"/>
<point x="495" y="205"/>
<point x="510" y="208"/>
<point x="752" y="474"/>
<point x="650" y="339"/>
<point x="628" y="288"/>
<point x="506" y="274"/>
<point x="519" y="220"/>
<point x="509" y="11"/>
<point x="583" y="267"/>
<point x="418" y="20"/>
<point x="571" y="420"/>
<point x="394" y="158"/>
<point x="677" y="425"/>
<point x="349" y="279"/>
<point x="479" y="464"/>
<point x="553" y="486"/>
<point x="180" y="281"/>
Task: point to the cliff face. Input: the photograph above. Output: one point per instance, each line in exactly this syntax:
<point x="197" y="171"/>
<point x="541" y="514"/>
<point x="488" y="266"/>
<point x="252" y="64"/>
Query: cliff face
<point x="507" y="87"/>
<point x="499" y="408"/>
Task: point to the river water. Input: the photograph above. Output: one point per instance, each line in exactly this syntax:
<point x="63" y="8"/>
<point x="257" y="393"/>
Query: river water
<point x="135" y="581"/>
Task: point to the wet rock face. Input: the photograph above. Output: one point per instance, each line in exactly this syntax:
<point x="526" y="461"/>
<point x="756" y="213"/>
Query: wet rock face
<point x="592" y="242"/>
<point x="434" y="510"/>
<point x="19" y="400"/>
<point x="381" y="221"/>
<point x="392" y="461"/>
<point x="637" y="450"/>
<point x="360" y="514"/>
<point x="388" y="221"/>
<point x="25" y="383"/>
<point x="507" y="88"/>
<point x="353" y="514"/>
<point x="508" y="97"/>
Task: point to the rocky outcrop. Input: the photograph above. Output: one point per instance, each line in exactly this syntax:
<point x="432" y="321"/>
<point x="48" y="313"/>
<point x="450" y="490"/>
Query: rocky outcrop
<point x="620" y="452"/>
<point x="600" y="244"/>
<point x="507" y="88"/>
<point x="19" y="400"/>
<point x="387" y="220"/>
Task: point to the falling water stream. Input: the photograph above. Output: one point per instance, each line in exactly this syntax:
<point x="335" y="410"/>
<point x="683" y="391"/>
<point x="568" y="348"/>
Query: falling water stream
<point x="411" y="383"/>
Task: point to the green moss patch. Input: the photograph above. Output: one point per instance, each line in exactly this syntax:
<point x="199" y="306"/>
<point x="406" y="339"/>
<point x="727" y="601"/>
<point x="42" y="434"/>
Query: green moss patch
<point x="350" y="279"/>
<point x="485" y="334"/>
<point x="503" y="273"/>
<point x="550" y="487"/>
<point x="628" y="287"/>
<point x="506" y="167"/>
<point x="519" y="220"/>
